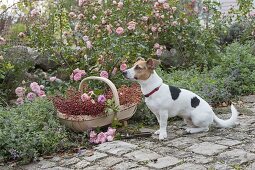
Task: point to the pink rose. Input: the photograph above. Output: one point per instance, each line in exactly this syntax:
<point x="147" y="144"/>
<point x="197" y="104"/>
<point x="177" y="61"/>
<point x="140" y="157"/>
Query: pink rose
<point x="92" y="134"/>
<point x="101" y="137"/>
<point x="153" y="29"/>
<point x="35" y="87"/>
<point x="89" y="45"/>
<point x="109" y="138"/>
<point x="110" y="131"/>
<point x="53" y="78"/>
<point x="104" y="74"/>
<point x="94" y="17"/>
<point x="159" y="52"/>
<point x="85" y="38"/>
<point x="123" y="67"/>
<point x="156" y="46"/>
<point x="85" y="97"/>
<point x="31" y="96"/>
<point x="41" y="94"/>
<point x="120" y="4"/>
<point x="166" y="5"/>
<point x="77" y="76"/>
<point x="131" y="25"/>
<point x="20" y="101"/>
<point x="20" y="91"/>
<point x="101" y="99"/>
<point x="119" y="30"/>
<point x="34" y="12"/>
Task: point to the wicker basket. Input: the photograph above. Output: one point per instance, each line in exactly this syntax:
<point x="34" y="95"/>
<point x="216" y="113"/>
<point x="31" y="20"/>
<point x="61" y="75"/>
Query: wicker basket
<point x="82" y="123"/>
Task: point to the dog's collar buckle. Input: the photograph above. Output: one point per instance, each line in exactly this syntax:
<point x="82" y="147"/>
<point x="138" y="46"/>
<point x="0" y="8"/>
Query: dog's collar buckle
<point x="153" y="91"/>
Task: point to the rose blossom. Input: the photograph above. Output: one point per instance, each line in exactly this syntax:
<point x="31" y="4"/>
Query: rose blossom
<point x="85" y="38"/>
<point x="158" y="52"/>
<point x="119" y="30"/>
<point x="156" y="46"/>
<point x="131" y="25"/>
<point x="101" y="99"/>
<point x="20" y="91"/>
<point x="92" y="136"/>
<point x="31" y="96"/>
<point x="94" y="17"/>
<point x="166" y="5"/>
<point x="41" y="94"/>
<point x="77" y="76"/>
<point x="123" y="67"/>
<point x="104" y="74"/>
<point x="110" y="131"/>
<point x="72" y="15"/>
<point x="109" y="138"/>
<point x="34" y="12"/>
<point x="85" y="97"/>
<point x="35" y="87"/>
<point x="120" y="4"/>
<point x="20" y="101"/>
<point x="153" y="29"/>
<point x="101" y="137"/>
<point x="53" y="78"/>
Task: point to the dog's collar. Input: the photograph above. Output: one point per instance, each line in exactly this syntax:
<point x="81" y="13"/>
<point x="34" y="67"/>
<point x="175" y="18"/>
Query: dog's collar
<point x="153" y="91"/>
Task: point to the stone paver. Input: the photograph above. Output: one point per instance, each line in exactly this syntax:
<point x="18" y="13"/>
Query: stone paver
<point x="143" y="155"/>
<point x="217" y="149"/>
<point x="164" y="162"/>
<point x="207" y="148"/>
<point x="116" y="147"/>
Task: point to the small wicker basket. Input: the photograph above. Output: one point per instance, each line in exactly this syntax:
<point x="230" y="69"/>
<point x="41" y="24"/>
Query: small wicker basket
<point x="81" y="123"/>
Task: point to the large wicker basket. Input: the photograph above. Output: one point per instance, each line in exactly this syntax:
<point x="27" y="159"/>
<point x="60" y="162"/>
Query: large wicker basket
<point x="82" y="123"/>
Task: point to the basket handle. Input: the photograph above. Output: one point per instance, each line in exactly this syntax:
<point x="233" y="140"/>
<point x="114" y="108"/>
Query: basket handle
<point x="108" y="82"/>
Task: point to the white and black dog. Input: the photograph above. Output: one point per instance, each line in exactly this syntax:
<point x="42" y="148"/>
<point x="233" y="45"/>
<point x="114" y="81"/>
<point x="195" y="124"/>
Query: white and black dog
<point x="168" y="101"/>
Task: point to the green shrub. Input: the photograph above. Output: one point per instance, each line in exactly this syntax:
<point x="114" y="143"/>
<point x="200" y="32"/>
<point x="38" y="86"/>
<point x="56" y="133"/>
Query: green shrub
<point x="31" y="130"/>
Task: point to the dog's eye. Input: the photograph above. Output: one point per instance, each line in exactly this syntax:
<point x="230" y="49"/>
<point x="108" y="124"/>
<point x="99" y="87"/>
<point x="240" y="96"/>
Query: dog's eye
<point x="137" y="67"/>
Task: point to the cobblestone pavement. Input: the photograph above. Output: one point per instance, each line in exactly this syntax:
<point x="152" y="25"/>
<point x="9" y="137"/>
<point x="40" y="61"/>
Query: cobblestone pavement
<point x="219" y="149"/>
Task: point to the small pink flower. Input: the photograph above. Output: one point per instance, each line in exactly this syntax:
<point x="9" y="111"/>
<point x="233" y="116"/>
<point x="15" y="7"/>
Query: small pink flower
<point x="120" y="4"/>
<point x="72" y="15"/>
<point x="41" y="94"/>
<point x="119" y="30"/>
<point x="85" y="38"/>
<point x="31" y="96"/>
<point x="109" y="138"/>
<point x="205" y="9"/>
<point x="101" y="137"/>
<point x="159" y="52"/>
<point x="153" y="29"/>
<point x="104" y="74"/>
<point x="145" y="18"/>
<point x="94" y="17"/>
<point x="101" y="99"/>
<point x="89" y="45"/>
<point x="174" y="23"/>
<point x="123" y="67"/>
<point x="85" y="97"/>
<point x="156" y="4"/>
<point x="77" y="76"/>
<point x="20" y="91"/>
<point x="20" y="101"/>
<point x="81" y="2"/>
<point x="80" y="16"/>
<point x="92" y="134"/>
<point x="166" y="5"/>
<point x="35" y="87"/>
<point x="131" y="25"/>
<point x="110" y="131"/>
<point x="53" y="78"/>
<point x="41" y="86"/>
<point x="156" y="46"/>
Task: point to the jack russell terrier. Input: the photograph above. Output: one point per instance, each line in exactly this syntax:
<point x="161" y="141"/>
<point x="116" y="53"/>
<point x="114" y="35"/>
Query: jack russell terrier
<point x="168" y="101"/>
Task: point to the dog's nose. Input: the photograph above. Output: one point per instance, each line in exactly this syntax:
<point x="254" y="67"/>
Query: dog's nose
<point x="124" y="73"/>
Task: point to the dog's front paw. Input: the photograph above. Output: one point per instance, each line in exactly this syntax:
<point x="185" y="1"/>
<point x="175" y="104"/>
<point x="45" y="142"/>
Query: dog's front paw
<point x="157" y="132"/>
<point x="162" y="135"/>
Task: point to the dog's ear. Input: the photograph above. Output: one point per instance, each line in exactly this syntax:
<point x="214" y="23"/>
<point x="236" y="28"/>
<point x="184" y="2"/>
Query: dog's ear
<point x="152" y="63"/>
<point x="140" y="58"/>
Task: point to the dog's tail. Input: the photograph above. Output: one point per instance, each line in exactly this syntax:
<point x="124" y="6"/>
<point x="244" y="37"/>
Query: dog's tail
<point x="227" y="123"/>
